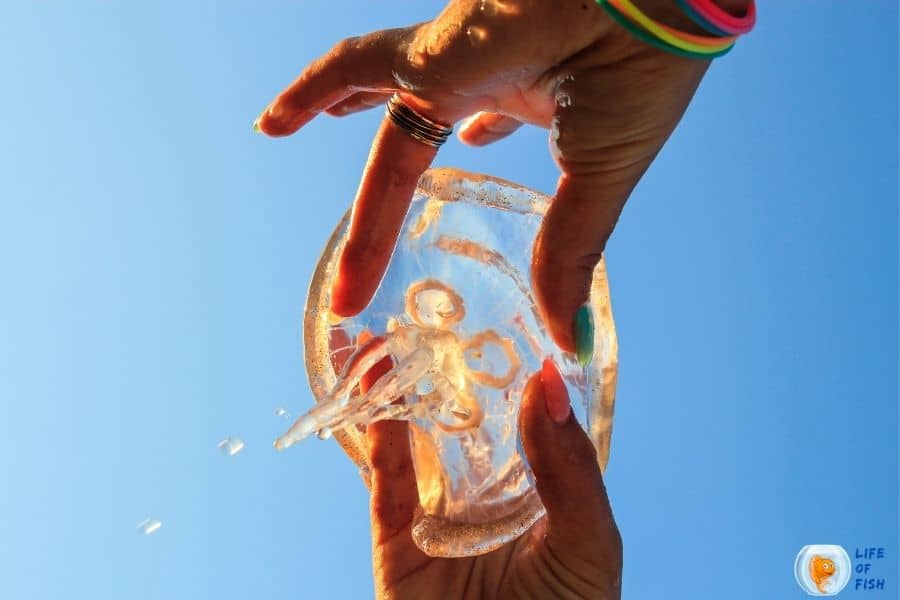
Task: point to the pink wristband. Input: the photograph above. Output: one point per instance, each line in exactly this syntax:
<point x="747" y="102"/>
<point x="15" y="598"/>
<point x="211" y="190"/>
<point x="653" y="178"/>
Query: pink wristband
<point x="723" y="20"/>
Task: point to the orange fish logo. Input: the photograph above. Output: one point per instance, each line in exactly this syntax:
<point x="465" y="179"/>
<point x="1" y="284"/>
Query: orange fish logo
<point x="820" y="570"/>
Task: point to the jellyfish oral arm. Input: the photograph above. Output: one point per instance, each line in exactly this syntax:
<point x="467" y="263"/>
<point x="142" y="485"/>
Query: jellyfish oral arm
<point x="425" y="355"/>
<point x="340" y="410"/>
<point x="332" y="411"/>
<point x="400" y="380"/>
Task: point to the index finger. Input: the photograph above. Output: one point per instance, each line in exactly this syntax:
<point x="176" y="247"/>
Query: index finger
<point x="353" y="64"/>
<point x="395" y="164"/>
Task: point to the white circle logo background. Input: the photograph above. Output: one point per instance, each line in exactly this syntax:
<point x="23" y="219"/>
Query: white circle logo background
<point x="835" y="583"/>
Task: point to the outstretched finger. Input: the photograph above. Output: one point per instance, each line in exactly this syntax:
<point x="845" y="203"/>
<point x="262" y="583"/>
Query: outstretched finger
<point x="396" y="162"/>
<point x="354" y="64"/>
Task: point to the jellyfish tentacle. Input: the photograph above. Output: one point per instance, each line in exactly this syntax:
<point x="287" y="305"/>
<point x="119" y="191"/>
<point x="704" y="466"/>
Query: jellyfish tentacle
<point x="400" y="380"/>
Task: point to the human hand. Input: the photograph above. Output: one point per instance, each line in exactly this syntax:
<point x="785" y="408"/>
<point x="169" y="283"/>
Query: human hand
<point x="575" y="551"/>
<point x="609" y="101"/>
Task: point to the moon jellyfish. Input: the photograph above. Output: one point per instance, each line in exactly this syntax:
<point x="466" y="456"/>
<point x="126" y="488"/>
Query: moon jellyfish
<point x="456" y="317"/>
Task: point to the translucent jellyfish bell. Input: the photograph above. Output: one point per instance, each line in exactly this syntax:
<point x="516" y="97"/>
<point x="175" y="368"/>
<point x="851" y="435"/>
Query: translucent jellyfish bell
<point x="457" y="318"/>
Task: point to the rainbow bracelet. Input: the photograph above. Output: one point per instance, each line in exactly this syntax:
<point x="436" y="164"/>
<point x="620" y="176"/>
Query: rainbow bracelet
<point x="680" y="43"/>
<point x="707" y="11"/>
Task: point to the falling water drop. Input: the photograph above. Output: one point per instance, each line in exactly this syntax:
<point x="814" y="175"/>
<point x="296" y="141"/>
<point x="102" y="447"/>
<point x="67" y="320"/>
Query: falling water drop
<point x="149" y="526"/>
<point x="324" y="433"/>
<point x="281" y="412"/>
<point x="231" y="446"/>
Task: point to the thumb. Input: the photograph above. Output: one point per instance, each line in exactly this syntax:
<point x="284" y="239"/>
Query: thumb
<point x="568" y="247"/>
<point x="485" y="128"/>
<point x="566" y="474"/>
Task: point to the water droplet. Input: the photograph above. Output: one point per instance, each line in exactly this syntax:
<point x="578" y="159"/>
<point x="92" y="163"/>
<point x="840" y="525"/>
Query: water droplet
<point x="563" y="100"/>
<point x="149" y="526"/>
<point x="280" y="412"/>
<point x="231" y="446"/>
<point x="488" y="7"/>
<point x="477" y="35"/>
<point x="405" y="82"/>
<point x="324" y="433"/>
<point x="554" y="139"/>
<point x="505" y="7"/>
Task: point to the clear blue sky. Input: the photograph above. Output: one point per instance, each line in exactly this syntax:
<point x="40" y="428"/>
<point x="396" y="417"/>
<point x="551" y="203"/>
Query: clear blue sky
<point x="154" y="258"/>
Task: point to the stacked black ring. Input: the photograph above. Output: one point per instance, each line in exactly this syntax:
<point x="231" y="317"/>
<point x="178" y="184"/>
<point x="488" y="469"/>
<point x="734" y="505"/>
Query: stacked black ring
<point x="419" y="127"/>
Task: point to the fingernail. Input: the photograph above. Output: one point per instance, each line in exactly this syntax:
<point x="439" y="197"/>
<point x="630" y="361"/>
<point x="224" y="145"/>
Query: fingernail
<point x="556" y="397"/>
<point x="584" y="334"/>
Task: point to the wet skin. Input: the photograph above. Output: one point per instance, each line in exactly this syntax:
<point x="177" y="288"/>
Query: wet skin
<point x="610" y="103"/>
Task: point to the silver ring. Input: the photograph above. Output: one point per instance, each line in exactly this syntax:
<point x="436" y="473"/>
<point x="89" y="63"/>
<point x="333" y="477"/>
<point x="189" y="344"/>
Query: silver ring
<point x="431" y="133"/>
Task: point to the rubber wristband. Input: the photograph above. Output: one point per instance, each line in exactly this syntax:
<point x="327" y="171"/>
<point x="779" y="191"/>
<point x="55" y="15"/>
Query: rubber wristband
<point x="699" y="20"/>
<point x="710" y="42"/>
<point x="650" y="40"/>
<point x="723" y="20"/>
<point x="667" y="34"/>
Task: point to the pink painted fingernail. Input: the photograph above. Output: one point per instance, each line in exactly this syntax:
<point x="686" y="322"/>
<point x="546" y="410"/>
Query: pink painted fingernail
<point x="556" y="397"/>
